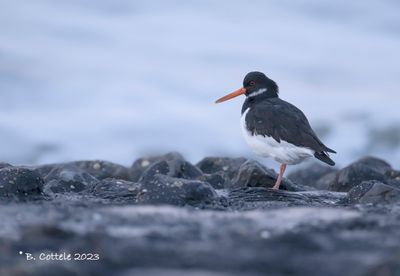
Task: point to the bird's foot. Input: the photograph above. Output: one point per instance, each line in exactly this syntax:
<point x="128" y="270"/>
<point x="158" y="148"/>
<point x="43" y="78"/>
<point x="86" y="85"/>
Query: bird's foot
<point x="279" y="179"/>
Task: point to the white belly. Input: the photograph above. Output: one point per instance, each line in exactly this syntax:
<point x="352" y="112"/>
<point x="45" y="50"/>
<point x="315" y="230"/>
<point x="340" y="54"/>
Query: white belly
<point x="283" y="152"/>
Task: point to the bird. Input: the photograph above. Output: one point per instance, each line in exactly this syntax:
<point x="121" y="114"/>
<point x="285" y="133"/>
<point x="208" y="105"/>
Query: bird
<point x="274" y="128"/>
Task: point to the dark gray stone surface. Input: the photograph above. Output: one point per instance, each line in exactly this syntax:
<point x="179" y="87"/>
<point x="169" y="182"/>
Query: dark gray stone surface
<point x="368" y="168"/>
<point x="165" y="216"/>
<point x="174" y="165"/>
<point x="164" y="189"/>
<point x="20" y="182"/>
<point x="310" y="175"/>
<point x="373" y="191"/>
<point x="253" y="174"/>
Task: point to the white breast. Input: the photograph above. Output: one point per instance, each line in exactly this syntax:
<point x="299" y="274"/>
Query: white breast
<point x="282" y="152"/>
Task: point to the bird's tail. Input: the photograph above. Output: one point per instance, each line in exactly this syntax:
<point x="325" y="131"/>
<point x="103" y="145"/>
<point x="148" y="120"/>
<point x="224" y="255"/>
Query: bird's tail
<point x="324" y="157"/>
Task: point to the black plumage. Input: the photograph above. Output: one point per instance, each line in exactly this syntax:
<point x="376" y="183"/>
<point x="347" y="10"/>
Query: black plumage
<point x="281" y="120"/>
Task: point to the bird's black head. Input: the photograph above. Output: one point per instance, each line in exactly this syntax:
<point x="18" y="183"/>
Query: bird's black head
<point x="255" y="85"/>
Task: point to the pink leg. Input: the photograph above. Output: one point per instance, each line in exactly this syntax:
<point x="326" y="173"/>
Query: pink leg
<point x="279" y="180"/>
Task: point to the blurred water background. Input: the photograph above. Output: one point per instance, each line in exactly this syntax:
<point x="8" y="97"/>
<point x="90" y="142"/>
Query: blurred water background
<point x="116" y="79"/>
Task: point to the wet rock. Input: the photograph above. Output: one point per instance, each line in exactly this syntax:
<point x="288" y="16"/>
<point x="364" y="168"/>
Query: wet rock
<point x="68" y="178"/>
<point x="19" y="182"/>
<point x="312" y="240"/>
<point x="216" y="180"/>
<point x="368" y="168"/>
<point x="173" y="165"/>
<point x="134" y="228"/>
<point x="310" y="175"/>
<point x="253" y="174"/>
<point x="117" y="190"/>
<point x="44" y="170"/>
<point x="162" y="189"/>
<point x="98" y="168"/>
<point x="373" y="192"/>
<point x="140" y="165"/>
<point x="326" y="181"/>
<point x="227" y="167"/>
<point x="251" y="198"/>
<point x="103" y="169"/>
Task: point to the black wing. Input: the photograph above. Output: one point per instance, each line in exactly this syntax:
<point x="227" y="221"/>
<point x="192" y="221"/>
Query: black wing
<point x="283" y="121"/>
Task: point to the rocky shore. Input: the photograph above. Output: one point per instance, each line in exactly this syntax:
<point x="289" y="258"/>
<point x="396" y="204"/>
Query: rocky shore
<point x="166" y="216"/>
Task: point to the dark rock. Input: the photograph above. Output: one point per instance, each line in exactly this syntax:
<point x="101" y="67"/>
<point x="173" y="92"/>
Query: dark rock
<point x="227" y="167"/>
<point x="368" y="168"/>
<point x="259" y="197"/>
<point x="251" y="198"/>
<point x="393" y="178"/>
<point x="183" y="241"/>
<point x="216" y="180"/>
<point x="117" y="190"/>
<point x="310" y="175"/>
<point x="60" y="186"/>
<point x="373" y="191"/>
<point x="162" y="189"/>
<point x="173" y="165"/>
<point x="325" y="182"/>
<point x="44" y="170"/>
<point x="393" y="174"/>
<point x="253" y="174"/>
<point x="98" y="168"/>
<point x="357" y="192"/>
<point x="140" y="165"/>
<point x="20" y="182"/>
<point x="242" y="231"/>
<point x="103" y="169"/>
<point x="68" y="178"/>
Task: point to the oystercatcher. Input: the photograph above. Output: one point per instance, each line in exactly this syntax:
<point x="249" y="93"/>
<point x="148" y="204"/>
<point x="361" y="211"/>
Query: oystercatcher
<point x="274" y="128"/>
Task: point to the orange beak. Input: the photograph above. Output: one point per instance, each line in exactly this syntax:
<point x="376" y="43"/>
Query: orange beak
<point x="232" y="95"/>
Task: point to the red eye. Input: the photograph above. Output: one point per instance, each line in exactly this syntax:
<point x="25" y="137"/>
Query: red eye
<point x="252" y="83"/>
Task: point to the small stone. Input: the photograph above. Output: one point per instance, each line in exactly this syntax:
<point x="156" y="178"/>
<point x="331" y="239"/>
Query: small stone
<point x="145" y="163"/>
<point x="97" y="166"/>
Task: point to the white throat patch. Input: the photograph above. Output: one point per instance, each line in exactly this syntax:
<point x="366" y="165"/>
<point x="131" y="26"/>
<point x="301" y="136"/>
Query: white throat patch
<point x="258" y="92"/>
